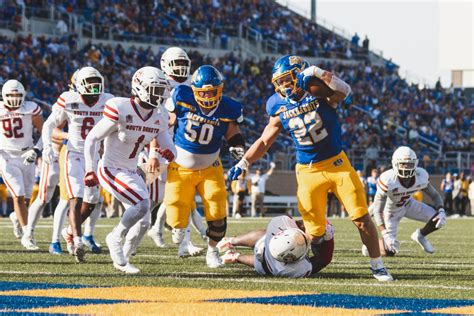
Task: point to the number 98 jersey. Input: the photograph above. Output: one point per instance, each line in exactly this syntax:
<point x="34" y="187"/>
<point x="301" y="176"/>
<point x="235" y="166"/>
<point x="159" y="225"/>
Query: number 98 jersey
<point x="313" y="125"/>
<point x="80" y="117"/>
<point x="196" y="132"/>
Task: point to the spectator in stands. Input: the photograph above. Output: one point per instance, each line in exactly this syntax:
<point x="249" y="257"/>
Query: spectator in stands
<point x="447" y="186"/>
<point x="240" y="189"/>
<point x="355" y="40"/>
<point x="365" y="45"/>
<point x="372" y="185"/>
<point x="460" y="194"/>
<point x="258" y="182"/>
<point x="471" y="195"/>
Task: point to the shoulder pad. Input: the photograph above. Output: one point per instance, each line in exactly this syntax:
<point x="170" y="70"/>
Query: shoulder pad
<point x="183" y="97"/>
<point x="113" y="108"/>
<point x="422" y="174"/>
<point x="32" y="108"/>
<point x="231" y="110"/>
<point x="275" y="105"/>
<point x="385" y="180"/>
<point x="66" y="98"/>
<point x="107" y="96"/>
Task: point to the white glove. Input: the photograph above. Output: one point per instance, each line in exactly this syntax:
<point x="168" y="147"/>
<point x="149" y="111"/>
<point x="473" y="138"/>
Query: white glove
<point x="441" y="218"/>
<point x="272" y="165"/>
<point x="237" y="152"/>
<point x="48" y="154"/>
<point x="391" y="243"/>
<point x="29" y="157"/>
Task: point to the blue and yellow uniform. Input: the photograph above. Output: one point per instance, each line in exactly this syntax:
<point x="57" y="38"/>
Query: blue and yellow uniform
<point x="322" y="165"/>
<point x="197" y="167"/>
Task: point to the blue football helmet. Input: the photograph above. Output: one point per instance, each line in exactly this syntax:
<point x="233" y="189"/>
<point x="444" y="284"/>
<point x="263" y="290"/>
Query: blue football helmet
<point x="284" y="74"/>
<point x="207" y="84"/>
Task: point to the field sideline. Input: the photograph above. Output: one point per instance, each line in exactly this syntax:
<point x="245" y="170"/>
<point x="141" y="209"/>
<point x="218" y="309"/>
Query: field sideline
<point x="447" y="274"/>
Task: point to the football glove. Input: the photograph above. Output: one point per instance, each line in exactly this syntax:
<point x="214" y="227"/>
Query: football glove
<point x="167" y="154"/>
<point x="237" y="152"/>
<point x="29" y="157"/>
<point x="48" y="154"/>
<point x="237" y="170"/>
<point x="391" y="243"/>
<point x="303" y="78"/>
<point x="440" y="218"/>
<point x="90" y="179"/>
<point x="230" y="257"/>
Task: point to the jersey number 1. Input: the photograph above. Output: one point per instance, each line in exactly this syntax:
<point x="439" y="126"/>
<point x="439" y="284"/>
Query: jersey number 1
<point x="137" y="146"/>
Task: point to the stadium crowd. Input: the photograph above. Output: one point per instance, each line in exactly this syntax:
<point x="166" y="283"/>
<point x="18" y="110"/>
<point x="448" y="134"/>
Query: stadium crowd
<point x="45" y="66"/>
<point x="186" y="23"/>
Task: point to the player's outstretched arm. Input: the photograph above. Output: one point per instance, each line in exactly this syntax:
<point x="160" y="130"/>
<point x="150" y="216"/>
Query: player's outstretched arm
<point x="56" y="118"/>
<point x="38" y="122"/>
<point x="101" y="130"/>
<point x="167" y="148"/>
<point x="235" y="140"/>
<point x="259" y="148"/>
<point x="377" y="208"/>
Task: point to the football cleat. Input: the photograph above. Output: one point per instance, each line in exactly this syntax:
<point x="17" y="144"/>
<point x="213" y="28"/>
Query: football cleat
<point x="79" y="253"/>
<point x="187" y="249"/>
<point x="157" y="238"/>
<point x="91" y="244"/>
<point x="128" y="268"/>
<point x="55" y="248"/>
<point x="382" y="275"/>
<point x="422" y="241"/>
<point x="115" y="249"/>
<point x="177" y="235"/>
<point x="29" y="243"/>
<point x="69" y="241"/>
<point x="230" y="257"/>
<point x="212" y="259"/>
<point x="17" y="231"/>
<point x="225" y="244"/>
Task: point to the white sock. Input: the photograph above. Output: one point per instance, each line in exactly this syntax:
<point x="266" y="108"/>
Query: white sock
<point x="89" y="225"/>
<point x="196" y="219"/>
<point x="211" y="248"/>
<point x="60" y="214"/>
<point x="120" y="230"/>
<point x="77" y="241"/>
<point x="34" y="214"/>
<point x="160" y="219"/>
<point x="376" y="263"/>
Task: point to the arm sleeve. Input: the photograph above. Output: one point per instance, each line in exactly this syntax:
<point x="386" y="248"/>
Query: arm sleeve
<point x="378" y="206"/>
<point x="57" y="116"/>
<point x="434" y="195"/>
<point x="104" y="128"/>
<point x="165" y="141"/>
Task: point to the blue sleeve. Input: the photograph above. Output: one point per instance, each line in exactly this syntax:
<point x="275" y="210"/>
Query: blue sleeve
<point x="274" y="103"/>
<point x="180" y="95"/>
<point x="232" y="110"/>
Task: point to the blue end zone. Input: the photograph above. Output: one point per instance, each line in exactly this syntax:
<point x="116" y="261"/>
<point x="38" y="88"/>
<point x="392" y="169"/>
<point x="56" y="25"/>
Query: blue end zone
<point x="354" y="302"/>
<point x="29" y="302"/>
<point x="18" y="286"/>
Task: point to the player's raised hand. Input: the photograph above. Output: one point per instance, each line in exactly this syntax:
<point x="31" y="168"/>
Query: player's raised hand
<point x="440" y="219"/>
<point x="234" y="173"/>
<point x="167" y="154"/>
<point x="90" y="179"/>
<point x="153" y="164"/>
<point x="237" y="152"/>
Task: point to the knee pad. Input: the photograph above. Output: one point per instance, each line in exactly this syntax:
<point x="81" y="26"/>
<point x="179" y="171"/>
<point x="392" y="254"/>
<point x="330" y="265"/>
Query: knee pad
<point x="143" y="207"/>
<point x="215" y="231"/>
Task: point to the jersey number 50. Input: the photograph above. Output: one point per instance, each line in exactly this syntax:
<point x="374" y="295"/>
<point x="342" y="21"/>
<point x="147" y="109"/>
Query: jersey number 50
<point x="203" y="135"/>
<point x="309" y="129"/>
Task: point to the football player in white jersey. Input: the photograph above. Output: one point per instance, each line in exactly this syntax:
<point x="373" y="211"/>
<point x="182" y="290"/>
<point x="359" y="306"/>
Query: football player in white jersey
<point x="17" y="150"/>
<point x="128" y="125"/>
<point x="176" y="65"/>
<point x="281" y="250"/>
<point x="394" y="200"/>
<point x="81" y="109"/>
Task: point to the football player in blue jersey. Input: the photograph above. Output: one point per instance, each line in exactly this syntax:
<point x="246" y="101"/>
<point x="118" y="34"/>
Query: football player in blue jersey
<point x="202" y="116"/>
<point x="322" y="165"/>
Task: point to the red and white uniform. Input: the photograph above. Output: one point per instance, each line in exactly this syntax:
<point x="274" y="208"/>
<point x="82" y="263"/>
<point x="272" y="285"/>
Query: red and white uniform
<point x="16" y="138"/>
<point x="399" y="200"/>
<point x="298" y="269"/>
<point x="126" y="129"/>
<point x="49" y="177"/>
<point x="81" y="118"/>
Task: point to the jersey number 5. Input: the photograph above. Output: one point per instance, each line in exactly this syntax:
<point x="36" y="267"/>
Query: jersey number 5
<point x="205" y="133"/>
<point x="308" y="130"/>
<point x="12" y="127"/>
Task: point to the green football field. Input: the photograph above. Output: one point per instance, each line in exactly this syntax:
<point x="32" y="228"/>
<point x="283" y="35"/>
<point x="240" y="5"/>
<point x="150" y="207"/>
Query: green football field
<point x="449" y="273"/>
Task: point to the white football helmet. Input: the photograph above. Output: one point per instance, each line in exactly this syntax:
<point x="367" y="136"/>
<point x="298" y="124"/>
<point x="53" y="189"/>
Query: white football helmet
<point x="72" y="81"/>
<point x="404" y="162"/>
<point x="149" y="84"/>
<point x="89" y="81"/>
<point x="289" y="245"/>
<point x="176" y="63"/>
<point x="13" y="94"/>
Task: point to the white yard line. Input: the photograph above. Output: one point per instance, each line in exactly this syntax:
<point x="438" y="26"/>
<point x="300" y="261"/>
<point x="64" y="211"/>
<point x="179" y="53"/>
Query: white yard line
<point x="178" y="275"/>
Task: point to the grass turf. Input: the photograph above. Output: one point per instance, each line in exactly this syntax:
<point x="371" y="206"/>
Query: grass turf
<point x="448" y="273"/>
